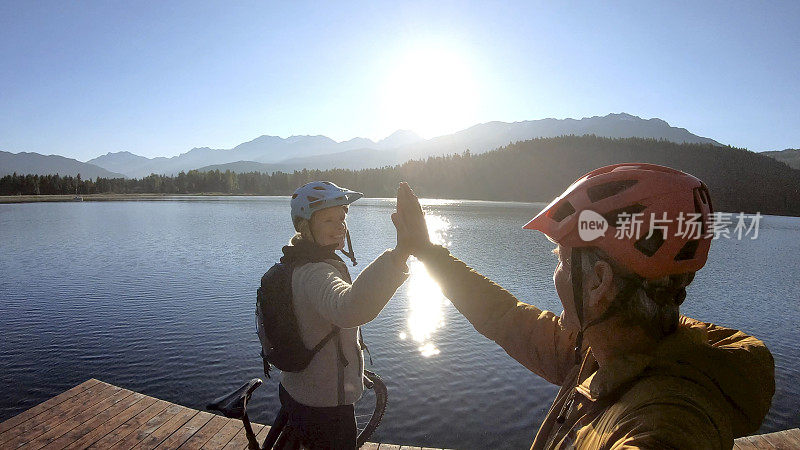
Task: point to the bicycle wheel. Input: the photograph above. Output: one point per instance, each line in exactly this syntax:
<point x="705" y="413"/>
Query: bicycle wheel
<point x="369" y="410"/>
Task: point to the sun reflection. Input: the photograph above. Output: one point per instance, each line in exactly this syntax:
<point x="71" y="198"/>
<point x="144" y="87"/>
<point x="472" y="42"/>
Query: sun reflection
<point x="426" y="302"/>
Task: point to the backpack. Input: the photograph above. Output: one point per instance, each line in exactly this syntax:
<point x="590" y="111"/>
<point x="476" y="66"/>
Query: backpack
<point x="276" y="323"/>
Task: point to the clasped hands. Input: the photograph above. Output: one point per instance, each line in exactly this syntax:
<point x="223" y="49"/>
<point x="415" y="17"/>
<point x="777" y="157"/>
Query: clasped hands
<point x="409" y="221"/>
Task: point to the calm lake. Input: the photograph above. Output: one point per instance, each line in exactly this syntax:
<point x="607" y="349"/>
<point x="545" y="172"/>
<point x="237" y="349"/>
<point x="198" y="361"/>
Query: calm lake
<point x="158" y="297"/>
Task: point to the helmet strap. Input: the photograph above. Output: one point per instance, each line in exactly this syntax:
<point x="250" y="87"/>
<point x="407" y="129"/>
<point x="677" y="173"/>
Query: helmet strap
<point x="349" y="253"/>
<point x="632" y="284"/>
<point x="577" y="298"/>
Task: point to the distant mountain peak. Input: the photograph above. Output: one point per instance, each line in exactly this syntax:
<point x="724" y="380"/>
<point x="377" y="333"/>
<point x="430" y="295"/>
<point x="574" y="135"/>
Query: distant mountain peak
<point x="359" y="140"/>
<point x="624" y="116"/>
<point x="121" y="153"/>
<point x="404" y="134"/>
<point x="399" y="138"/>
<point x="318" y="150"/>
<point x="35" y="163"/>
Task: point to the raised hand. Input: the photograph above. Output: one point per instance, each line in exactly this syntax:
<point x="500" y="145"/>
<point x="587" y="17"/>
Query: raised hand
<point x="409" y="220"/>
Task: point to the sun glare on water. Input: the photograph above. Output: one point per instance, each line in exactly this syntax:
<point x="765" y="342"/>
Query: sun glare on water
<point x="431" y="91"/>
<point x="426" y="302"/>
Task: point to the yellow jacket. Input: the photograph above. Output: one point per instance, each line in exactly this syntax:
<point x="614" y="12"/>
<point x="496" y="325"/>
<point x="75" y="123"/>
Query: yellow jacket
<point x="700" y="387"/>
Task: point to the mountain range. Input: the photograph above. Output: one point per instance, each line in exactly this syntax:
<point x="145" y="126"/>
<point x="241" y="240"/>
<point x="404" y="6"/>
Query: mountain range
<point x="790" y="156"/>
<point x="36" y="164"/>
<point x="280" y="154"/>
<point x="272" y="153"/>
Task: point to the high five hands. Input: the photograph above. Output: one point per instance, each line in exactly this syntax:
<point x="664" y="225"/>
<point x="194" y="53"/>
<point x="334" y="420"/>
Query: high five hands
<point x="409" y="220"/>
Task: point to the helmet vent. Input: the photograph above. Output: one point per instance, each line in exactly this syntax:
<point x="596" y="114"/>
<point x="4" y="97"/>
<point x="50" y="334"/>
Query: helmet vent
<point x="564" y="210"/>
<point x="311" y="198"/>
<point x="701" y="197"/>
<point x="294" y="195"/>
<point x="649" y="246"/>
<point x="613" y="217"/>
<point x="605" y="190"/>
<point x="320" y="188"/>
<point x="687" y="251"/>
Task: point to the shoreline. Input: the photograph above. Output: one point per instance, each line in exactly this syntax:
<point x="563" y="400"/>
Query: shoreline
<point x="110" y="197"/>
<point x="105" y="197"/>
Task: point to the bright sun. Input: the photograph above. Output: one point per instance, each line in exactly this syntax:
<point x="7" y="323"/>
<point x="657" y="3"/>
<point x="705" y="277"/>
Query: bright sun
<point x="430" y="91"/>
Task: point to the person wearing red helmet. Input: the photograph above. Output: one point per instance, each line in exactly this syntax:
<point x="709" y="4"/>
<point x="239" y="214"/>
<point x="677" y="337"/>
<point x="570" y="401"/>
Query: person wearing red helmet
<point x="633" y="372"/>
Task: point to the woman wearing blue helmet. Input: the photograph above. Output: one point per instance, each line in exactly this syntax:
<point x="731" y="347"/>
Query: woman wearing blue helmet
<point x="320" y="398"/>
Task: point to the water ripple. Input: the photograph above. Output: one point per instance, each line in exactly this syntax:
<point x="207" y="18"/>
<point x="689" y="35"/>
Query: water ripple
<point x="158" y="297"/>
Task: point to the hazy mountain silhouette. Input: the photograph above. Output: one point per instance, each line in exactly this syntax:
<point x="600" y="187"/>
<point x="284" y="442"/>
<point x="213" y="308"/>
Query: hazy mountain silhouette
<point x="126" y="162"/>
<point x="36" y="164"/>
<point x="489" y="136"/>
<point x="399" y="138"/>
<point x="321" y="152"/>
<point x="532" y="170"/>
<point x="790" y="156"/>
<point x="263" y="149"/>
<point x="244" y="166"/>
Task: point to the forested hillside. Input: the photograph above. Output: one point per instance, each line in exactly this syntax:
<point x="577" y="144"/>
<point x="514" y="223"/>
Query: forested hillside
<point x="790" y="156"/>
<point x="533" y="170"/>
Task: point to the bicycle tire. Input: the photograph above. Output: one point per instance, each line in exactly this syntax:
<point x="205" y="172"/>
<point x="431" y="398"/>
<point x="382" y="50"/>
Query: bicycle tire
<point x="381" y="400"/>
<point x="284" y="436"/>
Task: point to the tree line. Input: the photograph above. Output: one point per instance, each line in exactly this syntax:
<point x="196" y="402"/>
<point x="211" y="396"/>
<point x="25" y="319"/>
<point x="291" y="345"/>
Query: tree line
<point x="532" y="170"/>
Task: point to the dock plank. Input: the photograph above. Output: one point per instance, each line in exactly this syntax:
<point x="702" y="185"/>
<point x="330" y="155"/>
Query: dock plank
<point x="792" y="436"/>
<point x="750" y="443"/>
<point x="132" y="424"/>
<point x="182" y="434"/>
<point x="112" y="424"/>
<point x="155" y="430"/>
<point x="205" y="433"/>
<point x="223" y="436"/>
<point x="239" y="441"/>
<point x="43" y="422"/>
<point x="95" y="414"/>
<point x="45" y="405"/>
<point x="261" y="435"/>
<point x="95" y="422"/>
<point x="78" y="420"/>
<point x="780" y="440"/>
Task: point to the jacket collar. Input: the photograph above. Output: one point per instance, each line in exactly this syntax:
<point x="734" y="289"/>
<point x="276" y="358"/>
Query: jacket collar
<point x="606" y="380"/>
<point x="303" y="251"/>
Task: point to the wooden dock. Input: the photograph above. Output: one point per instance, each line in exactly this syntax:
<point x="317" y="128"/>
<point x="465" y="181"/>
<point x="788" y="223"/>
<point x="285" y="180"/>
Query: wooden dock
<point x="95" y="414"/>
<point x="781" y="440"/>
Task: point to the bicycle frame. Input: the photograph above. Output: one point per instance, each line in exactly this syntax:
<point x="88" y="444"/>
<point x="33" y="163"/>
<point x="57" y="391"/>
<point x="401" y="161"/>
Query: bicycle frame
<point x="234" y="406"/>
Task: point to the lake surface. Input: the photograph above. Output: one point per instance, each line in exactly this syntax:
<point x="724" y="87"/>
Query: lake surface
<point x="158" y="297"/>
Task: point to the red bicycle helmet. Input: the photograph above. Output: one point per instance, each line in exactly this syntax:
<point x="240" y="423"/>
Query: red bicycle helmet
<point x="621" y="190"/>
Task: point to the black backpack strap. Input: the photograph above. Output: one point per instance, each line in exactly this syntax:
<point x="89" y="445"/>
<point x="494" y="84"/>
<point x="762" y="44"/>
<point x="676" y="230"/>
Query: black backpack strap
<point x="325" y="340"/>
<point x="342" y="363"/>
<point x="363" y="346"/>
<point x="265" y="361"/>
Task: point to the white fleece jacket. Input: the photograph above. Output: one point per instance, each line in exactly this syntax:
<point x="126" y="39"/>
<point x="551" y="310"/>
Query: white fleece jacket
<point x="323" y="298"/>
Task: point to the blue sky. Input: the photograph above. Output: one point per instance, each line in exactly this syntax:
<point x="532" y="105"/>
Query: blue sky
<point x="81" y="79"/>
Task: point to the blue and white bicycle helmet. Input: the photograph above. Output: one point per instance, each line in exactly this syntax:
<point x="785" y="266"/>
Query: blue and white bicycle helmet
<point x="317" y="195"/>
